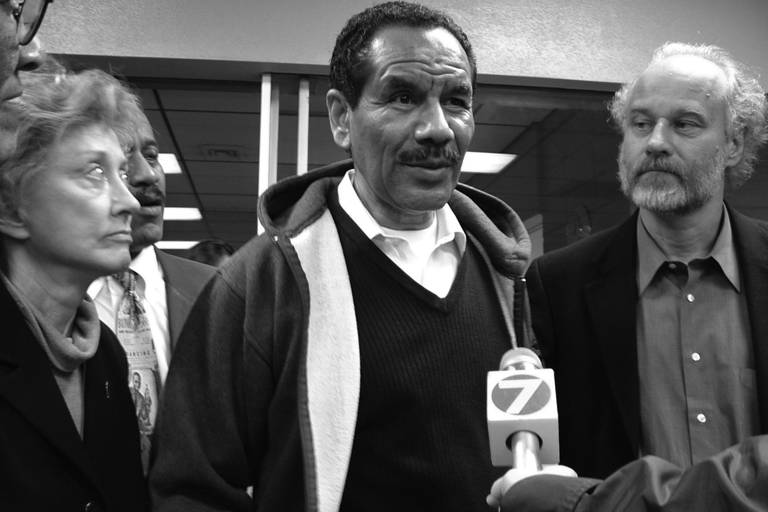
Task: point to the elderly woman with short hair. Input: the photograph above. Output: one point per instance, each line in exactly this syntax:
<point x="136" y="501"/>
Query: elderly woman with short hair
<point x="68" y="433"/>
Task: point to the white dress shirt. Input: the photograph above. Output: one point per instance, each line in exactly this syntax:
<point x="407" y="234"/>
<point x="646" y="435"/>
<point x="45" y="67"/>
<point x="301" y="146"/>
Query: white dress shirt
<point x="429" y="256"/>
<point x="107" y="292"/>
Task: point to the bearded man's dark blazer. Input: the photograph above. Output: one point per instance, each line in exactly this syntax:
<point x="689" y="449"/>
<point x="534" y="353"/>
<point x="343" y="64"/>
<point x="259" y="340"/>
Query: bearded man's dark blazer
<point x="584" y="303"/>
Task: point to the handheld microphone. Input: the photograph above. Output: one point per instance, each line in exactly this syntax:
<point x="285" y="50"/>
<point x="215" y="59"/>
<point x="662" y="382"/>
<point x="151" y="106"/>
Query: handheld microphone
<point x="522" y="412"/>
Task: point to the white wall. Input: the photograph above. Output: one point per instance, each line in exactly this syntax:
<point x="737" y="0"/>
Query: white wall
<point x="581" y="40"/>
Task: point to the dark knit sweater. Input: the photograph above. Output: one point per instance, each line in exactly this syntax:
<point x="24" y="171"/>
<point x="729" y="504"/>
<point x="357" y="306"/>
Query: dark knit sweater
<point x="421" y="439"/>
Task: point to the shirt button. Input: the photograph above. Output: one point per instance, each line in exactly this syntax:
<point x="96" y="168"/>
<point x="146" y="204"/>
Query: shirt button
<point x="672" y="266"/>
<point x="695" y="356"/>
<point x="701" y="418"/>
<point x="690" y="297"/>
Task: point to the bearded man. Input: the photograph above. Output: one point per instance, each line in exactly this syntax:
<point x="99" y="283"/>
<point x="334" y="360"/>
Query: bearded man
<point x="657" y="329"/>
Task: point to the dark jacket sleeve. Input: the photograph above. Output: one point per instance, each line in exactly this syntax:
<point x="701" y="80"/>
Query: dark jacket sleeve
<point x="203" y="450"/>
<point x="733" y="480"/>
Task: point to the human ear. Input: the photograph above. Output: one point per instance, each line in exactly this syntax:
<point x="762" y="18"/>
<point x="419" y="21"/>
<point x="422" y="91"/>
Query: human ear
<point x="734" y="148"/>
<point x="13" y="227"/>
<point x="339" y="111"/>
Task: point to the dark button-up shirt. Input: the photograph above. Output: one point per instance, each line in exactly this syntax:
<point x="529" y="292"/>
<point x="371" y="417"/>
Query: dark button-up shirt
<point x="696" y="365"/>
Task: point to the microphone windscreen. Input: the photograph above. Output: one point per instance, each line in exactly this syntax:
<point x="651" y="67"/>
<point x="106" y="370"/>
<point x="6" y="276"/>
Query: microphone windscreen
<point x="520" y="358"/>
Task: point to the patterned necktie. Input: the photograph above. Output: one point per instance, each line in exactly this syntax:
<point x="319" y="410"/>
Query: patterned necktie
<point x="135" y="336"/>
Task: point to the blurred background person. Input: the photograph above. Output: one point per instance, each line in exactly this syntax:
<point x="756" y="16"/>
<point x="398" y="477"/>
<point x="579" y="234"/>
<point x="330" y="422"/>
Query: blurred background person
<point x="212" y="252"/>
<point x="19" y="22"/>
<point x="19" y="50"/>
<point x="68" y="435"/>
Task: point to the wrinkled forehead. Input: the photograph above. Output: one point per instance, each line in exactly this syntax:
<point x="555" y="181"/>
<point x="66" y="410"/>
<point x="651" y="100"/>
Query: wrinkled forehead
<point x="419" y="50"/>
<point x="684" y="76"/>
<point x="143" y="128"/>
<point x="143" y="134"/>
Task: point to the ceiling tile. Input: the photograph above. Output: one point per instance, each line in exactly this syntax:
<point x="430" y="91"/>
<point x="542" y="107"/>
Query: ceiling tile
<point x="212" y="100"/>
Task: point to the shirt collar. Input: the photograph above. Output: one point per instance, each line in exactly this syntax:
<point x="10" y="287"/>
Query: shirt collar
<point x="448" y="227"/>
<point x="724" y="252"/>
<point x="144" y="264"/>
<point x="651" y="257"/>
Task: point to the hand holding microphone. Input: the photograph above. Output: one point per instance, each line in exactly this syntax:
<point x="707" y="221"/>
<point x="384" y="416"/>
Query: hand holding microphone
<point x="522" y="412"/>
<point x="522" y="421"/>
<point x="514" y="475"/>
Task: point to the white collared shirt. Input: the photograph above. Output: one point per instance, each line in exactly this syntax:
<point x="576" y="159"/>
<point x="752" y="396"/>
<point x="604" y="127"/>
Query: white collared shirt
<point x="107" y="292"/>
<point x="429" y="256"/>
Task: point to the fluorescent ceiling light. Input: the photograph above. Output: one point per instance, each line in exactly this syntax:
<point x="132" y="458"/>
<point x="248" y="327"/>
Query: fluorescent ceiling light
<point x="486" y="163"/>
<point x="172" y="213"/>
<point x="169" y="163"/>
<point x="176" y="245"/>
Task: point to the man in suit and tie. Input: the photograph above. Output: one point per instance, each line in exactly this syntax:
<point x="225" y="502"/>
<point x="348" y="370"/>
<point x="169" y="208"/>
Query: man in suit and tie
<point x="657" y="329"/>
<point x="171" y="284"/>
<point x="166" y="285"/>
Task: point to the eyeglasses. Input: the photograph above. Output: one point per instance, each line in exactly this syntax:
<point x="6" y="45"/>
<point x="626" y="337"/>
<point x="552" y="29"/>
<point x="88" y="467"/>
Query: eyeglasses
<point x="28" y="15"/>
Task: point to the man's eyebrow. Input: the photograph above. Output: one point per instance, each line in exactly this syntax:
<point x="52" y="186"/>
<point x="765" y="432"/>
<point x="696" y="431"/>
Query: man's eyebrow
<point x="636" y="111"/>
<point x="682" y="111"/>
<point x="149" y="143"/>
<point x="688" y="111"/>
<point x="461" y="88"/>
<point x="398" y="82"/>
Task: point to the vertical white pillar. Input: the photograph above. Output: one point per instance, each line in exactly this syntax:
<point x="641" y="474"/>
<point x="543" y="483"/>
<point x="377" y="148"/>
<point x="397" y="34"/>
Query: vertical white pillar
<point x="302" y="140"/>
<point x="274" y="119"/>
<point x="270" y="115"/>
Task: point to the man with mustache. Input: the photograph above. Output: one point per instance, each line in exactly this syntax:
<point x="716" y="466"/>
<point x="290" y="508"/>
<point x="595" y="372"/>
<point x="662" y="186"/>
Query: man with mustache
<point x="337" y="362"/>
<point x="657" y="329"/>
<point x="166" y="285"/>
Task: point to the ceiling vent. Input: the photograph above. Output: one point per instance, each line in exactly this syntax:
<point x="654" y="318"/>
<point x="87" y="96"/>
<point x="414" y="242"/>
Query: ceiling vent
<point x="222" y="153"/>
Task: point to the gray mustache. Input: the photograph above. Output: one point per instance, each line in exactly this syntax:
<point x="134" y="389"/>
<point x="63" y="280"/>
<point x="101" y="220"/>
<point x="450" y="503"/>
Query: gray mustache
<point x="660" y="165"/>
<point x="421" y="154"/>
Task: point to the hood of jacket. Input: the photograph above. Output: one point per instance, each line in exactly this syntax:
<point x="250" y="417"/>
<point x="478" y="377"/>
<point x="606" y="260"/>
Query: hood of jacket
<point x="289" y="206"/>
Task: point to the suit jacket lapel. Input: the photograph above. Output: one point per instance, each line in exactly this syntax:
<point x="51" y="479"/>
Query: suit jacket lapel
<point x="751" y="240"/>
<point x="28" y="385"/>
<point x="612" y="304"/>
<point x="178" y="299"/>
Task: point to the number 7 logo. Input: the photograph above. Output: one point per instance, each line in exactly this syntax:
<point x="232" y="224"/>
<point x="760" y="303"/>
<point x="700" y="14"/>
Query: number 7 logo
<point x="521" y="394"/>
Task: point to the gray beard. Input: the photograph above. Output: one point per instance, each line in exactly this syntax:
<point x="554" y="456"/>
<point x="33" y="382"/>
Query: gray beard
<point x="688" y="194"/>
